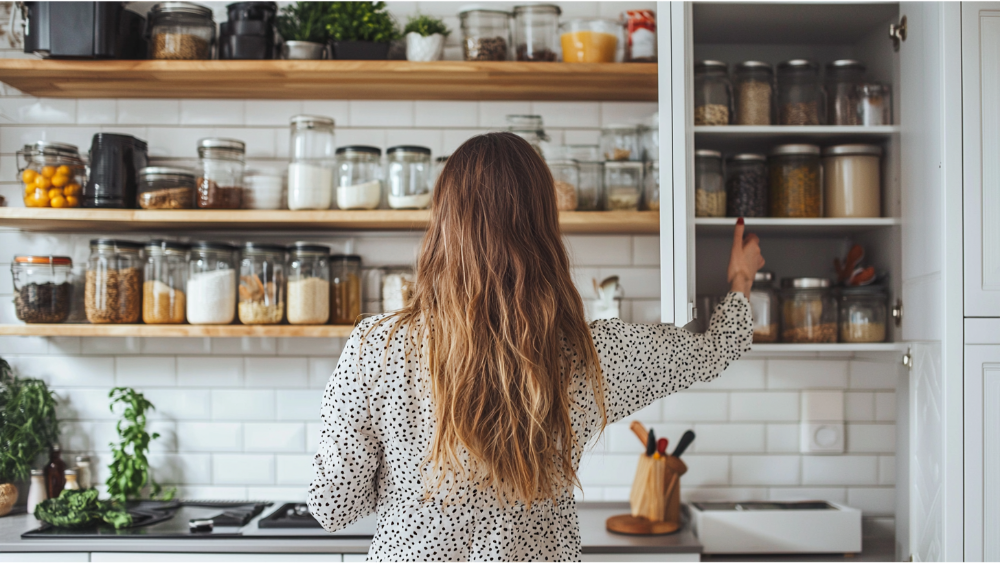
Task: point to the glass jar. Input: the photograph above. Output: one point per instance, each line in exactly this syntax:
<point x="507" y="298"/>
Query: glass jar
<point x="764" y="308"/>
<point x="808" y="311"/>
<point x="164" y="283"/>
<point x="408" y="177"/>
<point x="852" y="181"/>
<point x="529" y="128"/>
<point x="264" y="188"/>
<point x="113" y="292"/>
<point x="590" y="40"/>
<point x="800" y="93"/>
<point x="620" y="142"/>
<point x="649" y="138"/>
<point x="842" y="80"/>
<point x="590" y="190"/>
<point x="862" y="313"/>
<point x="709" y="186"/>
<point x="211" y="284"/>
<point x="566" y="176"/>
<point x="310" y="172"/>
<point x="345" y="288"/>
<point x="262" y="284"/>
<point x="485" y="35"/>
<point x="53" y="175"/>
<point x="754" y="93"/>
<point x="640" y="36"/>
<point x="163" y="187"/>
<point x="358" y="184"/>
<point x="794" y="181"/>
<point x="221" y="183"/>
<point x="712" y="93"/>
<point x="398" y="284"/>
<point x="43" y="288"/>
<point x="651" y="189"/>
<point x="746" y="185"/>
<point x="536" y="32"/>
<point x="181" y="31"/>
<point x="308" y="284"/>
<point x="623" y="185"/>
<point x="874" y="104"/>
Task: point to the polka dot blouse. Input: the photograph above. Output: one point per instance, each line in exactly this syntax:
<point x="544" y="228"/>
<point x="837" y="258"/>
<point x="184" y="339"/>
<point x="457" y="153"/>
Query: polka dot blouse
<point x="378" y="421"/>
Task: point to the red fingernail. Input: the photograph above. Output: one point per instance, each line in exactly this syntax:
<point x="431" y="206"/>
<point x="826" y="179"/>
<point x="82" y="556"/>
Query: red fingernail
<point x="739" y="221"/>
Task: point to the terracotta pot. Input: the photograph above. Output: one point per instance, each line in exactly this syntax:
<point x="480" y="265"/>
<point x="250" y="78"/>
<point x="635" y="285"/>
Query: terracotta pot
<point x="8" y="496"/>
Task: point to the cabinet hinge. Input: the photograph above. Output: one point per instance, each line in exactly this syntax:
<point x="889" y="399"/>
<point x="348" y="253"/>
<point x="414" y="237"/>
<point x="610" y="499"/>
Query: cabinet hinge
<point x="908" y="359"/>
<point x="897" y="32"/>
<point x="897" y="312"/>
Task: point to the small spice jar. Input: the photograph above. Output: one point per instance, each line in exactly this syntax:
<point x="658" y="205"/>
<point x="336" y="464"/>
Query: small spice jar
<point x="53" y="175"/>
<point x="808" y="311"/>
<point x="794" y="181"/>
<point x="651" y="186"/>
<point x="531" y="129"/>
<point x="566" y="174"/>
<point x="764" y="308"/>
<point x="852" y="181"/>
<point x="345" y="288"/>
<point x="181" y="31"/>
<point x="357" y="176"/>
<point x="408" y="177"/>
<point x="620" y="142"/>
<point x="113" y="292"/>
<point x="164" y="282"/>
<point x="862" y="313"/>
<point x="842" y="80"/>
<point x="623" y="185"/>
<point x="262" y="284"/>
<point x="536" y="32"/>
<point x="398" y="284"/>
<point x="310" y="172"/>
<point x="754" y="93"/>
<point x="43" y="288"/>
<point x="308" y="284"/>
<point x="746" y="185"/>
<point x="164" y="187"/>
<point x="800" y="93"/>
<point x="221" y="183"/>
<point x="712" y="93"/>
<point x="485" y="35"/>
<point x="709" y="185"/>
<point x="211" y="284"/>
<point x="874" y="104"/>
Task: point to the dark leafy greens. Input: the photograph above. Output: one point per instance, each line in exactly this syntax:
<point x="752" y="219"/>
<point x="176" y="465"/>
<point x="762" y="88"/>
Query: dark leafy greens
<point x="28" y="425"/>
<point x="76" y="509"/>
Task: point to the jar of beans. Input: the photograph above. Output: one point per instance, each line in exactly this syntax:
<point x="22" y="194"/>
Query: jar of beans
<point x="862" y="313"/>
<point x="746" y="185"/>
<point x="709" y="190"/>
<point x="43" y="288"/>
<point x="808" y="311"/>
<point x="794" y="181"/>
<point x="842" y="80"/>
<point x="221" y="183"/>
<point x="753" y="91"/>
<point x="113" y="292"/>
<point x="712" y="93"/>
<point x="485" y="34"/>
<point x="164" y="282"/>
<point x="800" y="93"/>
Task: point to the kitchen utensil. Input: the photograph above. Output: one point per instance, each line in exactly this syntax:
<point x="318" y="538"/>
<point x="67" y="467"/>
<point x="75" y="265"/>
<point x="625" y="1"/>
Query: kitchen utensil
<point x="661" y="446"/>
<point x="606" y="306"/>
<point x="650" y="443"/>
<point x="639" y="430"/>
<point x="686" y="440"/>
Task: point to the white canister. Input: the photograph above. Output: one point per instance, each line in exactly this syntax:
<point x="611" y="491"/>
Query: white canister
<point x="37" y="492"/>
<point x="852" y="181"/>
<point x="264" y="189"/>
<point x="421" y="48"/>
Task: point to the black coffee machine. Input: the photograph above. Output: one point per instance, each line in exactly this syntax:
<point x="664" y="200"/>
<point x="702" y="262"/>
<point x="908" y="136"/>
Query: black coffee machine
<point x="83" y="30"/>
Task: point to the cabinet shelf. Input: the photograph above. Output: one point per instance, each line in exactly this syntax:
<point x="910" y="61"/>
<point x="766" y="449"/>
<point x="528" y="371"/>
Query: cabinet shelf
<point x="761" y="138"/>
<point x="143" y="330"/>
<point x="831" y="348"/>
<point x="778" y="226"/>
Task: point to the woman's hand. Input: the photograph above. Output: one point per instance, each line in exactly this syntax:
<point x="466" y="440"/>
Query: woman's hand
<point x="744" y="261"/>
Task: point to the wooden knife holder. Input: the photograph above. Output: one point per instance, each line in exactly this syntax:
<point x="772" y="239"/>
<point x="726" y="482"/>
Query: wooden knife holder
<point x="670" y="520"/>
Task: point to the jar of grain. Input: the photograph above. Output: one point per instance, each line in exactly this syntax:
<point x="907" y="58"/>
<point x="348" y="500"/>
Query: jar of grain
<point x="794" y="181"/>
<point x="746" y="185"/>
<point x="852" y="181"/>
<point x="43" y="288"/>
<point x="211" y="284"/>
<point x="357" y="177"/>
<point x="712" y="93"/>
<point x="536" y="32"/>
<point x="862" y="313"/>
<point x="764" y="308"/>
<point x="113" y="292"/>
<point x="408" y="177"/>
<point x="874" y="104"/>
<point x="842" y="80"/>
<point x="262" y="284"/>
<point x="620" y="142"/>
<point x="308" y="284"/>
<point x="566" y="175"/>
<point x="181" y="31"/>
<point x="651" y="187"/>
<point x="221" y="183"/>
<point x="800" y="93"/>
<point x="622" y="185"/>
<point x="709" y="188"/>
<point x="754" y="89"/>
<point x="164" y="282"/>
<point x="164" y="187"/>
<point x="485" y="35"/>
<point x="345" y="288"/>
<point x="808" y="311"/>
<point x="590" y="190"/>
<point x="313" y="160"/>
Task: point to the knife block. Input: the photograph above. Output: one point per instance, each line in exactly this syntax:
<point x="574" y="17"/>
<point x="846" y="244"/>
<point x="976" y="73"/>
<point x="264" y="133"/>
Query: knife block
<point x="670" y="520"/>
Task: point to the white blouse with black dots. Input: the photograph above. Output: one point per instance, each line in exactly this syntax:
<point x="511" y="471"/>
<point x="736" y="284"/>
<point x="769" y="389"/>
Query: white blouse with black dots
<point x="378" y="422"/>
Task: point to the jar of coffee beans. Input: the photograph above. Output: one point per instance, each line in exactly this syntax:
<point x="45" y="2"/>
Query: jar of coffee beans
<point x="746" y="185"/>
<point x="43" y="289"/>
<point x="712" y="93"/>
<point x="485" y="34"/>
<point x="800" y="93"/>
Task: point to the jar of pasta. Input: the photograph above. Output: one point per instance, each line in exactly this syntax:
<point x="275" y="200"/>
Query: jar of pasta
<point x="113" y="291"/>
<point x="794" y="181"/>
<point x="862" y="313"/>
<point x="808" y="311"/>
<point x="164" y="282"/>
<point x="262" y="284"/>
<point x="345" y="288"/>
<point x="308" y="284"/>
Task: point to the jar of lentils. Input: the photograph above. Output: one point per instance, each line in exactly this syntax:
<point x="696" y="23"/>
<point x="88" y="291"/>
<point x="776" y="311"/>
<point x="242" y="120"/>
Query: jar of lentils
<point x="308" y="284"/>
<point x="181" y="31"/>
<point x="808" y="311"/>
<point x="794" y="181"/>
<point x="221" y="183"/>
<point x="746" y="185"/>
<point x="113" y="290"/>
<point x="712" y="93"/>
<point x="262" y="284"/>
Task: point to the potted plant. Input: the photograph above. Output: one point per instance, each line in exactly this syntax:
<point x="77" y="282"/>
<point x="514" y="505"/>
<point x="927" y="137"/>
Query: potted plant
<point x="360" y="31"/>
<point x="425" y="38"/>
<point x="303" y="27"/>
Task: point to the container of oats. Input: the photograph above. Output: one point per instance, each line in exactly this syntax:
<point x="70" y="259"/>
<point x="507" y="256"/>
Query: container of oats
<point x="713" y="93"/>
<point x="794" y="185"/>
<point x="808" y="311"/>
<point x="181" y="31"/>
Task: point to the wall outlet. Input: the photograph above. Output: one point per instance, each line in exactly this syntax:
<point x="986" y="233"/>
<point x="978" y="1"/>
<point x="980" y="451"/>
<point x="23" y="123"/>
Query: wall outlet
<point x="822" y="438"/>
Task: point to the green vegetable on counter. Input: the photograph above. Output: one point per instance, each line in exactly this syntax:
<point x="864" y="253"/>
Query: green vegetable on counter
<point x="129" y="466"/>
<point x="76" y="509"/>
<point x="28" y="425"/>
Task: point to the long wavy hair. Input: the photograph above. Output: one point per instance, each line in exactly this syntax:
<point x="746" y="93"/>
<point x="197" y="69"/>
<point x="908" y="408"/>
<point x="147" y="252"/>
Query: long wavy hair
<point x="502" y="331"/>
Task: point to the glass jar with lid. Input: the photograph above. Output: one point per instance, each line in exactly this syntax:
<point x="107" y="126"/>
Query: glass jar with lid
<point x="590" y="40"/>
<point x="623" y="185"/>
<point x="862" y="313"/>
<point x="529" y="128"/>
<point x="485" y="34"/>
<point x="746" y="185"/>
<point x="852" y="181"/>
<point x="398" y="284"/>
<point x="713" y="93"/>
<point x="794" y="181"/>
<point x="566" y="176"/>
<point x="113" y="291"/>
<point x="808" y="311"/>
<point x="308" y="284"/>
<point x="536" y="32"/>
<point x="345" y="288"/>
<point x="211" y="284"/>
<point x="164" y="283"/>
<point x="800" y="93"/>
<point x="590" y="190"/>
<point x="709" y="185"/>
<point x="43" y="288"/>
<point x="651" y="188"/>
<point x="358" y="183"/>
<point x="262" y="284"/>
<point x="408" y="177"/>
<point x="620" y="142"/>
<point x="842" y="80"/>
<point x="165" y="187"/>
<point x="310" y="172"/>
<point x="649" y="138"/>
<point x="181" y="31"/>
<point x="874" y="104"/>
<point x="764" y="308"/>
<point x="53" y="175"/>
<point x="753" y="93"/>
<point x="221" y="183"/>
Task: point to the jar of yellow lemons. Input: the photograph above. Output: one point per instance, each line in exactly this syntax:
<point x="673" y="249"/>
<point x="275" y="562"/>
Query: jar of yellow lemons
<point x="53" y="174"/>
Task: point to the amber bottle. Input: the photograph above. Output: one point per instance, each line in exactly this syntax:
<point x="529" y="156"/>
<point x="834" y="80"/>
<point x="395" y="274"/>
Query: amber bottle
<point x="55" y="472"/>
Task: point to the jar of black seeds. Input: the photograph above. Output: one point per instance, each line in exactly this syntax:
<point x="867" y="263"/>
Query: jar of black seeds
<point x="746" y="185"/>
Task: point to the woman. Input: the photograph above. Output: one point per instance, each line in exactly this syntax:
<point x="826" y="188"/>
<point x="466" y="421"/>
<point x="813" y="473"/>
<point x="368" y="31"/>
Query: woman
<point x="461" y="419"/>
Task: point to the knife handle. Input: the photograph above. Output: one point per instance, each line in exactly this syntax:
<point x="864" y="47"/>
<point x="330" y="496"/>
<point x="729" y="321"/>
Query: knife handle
<point x="685" y="441"/>
<point x="640" y="431"/>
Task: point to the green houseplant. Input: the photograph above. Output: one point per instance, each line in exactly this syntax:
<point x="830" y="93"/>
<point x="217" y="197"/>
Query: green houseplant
<point x="129" y="470"/>
<point x="360" y="30"/>
<point x="425" y="38"/>
<point x="302" y="25"/>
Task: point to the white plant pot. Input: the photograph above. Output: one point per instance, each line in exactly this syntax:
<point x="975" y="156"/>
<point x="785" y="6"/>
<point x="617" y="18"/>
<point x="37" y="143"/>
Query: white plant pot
<point x="423" y="49"/>
<point x="303" y="50"/>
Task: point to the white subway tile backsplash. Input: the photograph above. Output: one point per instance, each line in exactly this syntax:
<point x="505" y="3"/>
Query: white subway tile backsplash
<point x="339" y="110"/>
<point x="173" y="346"/>
<point x="180" y="404"/>
<point x="242" y="469"/>
<point x="887" y="470"/>
<point x="320" y="370"/>
<point x="289" y="437"/>
<point x="177" y="469"/>
<point x="298" y="405"/>
<point x="493" y="115"/>
<point x="166" y="441"/>
<point x="314" y="431"/>
<point x="765" y="470"/>
<point x="145" y="371"/>
<point x="873" y="375"/>
<point x="859" y="407"/>
<point x="582" y="136"/>
<point x="96" y="112"/>
<point x="260" y="142"/>
<point x="310" y="346"/>
<point x="873" y="500"/>
<point x="568" y="114"/>
<point x="783" y="438"/>
<point x="726" y="438"/>
<point x="295" y="470"/>
<point x="769" y="406"/>
<point x="277" y="372"/>
<point x="430" y="138"/>
<point x="23" y="344"/>
<point x="239" y="404"/>
<point x="740" y="375"/>
<point x="37" y="110"/>
<point x="440" y="114"/>
<point x="694" y="406"/>
<point x="839" y="470"/>
<point x="273" y="112"/>
<point x="209" y="437"/>
<point x="214" y="371"/>
<point x="708" y="494"/>
<point x="871" y="438"/>
<point x="291" y="494"/>
<point x="612" y="469"/>
<point x="212" y="112"/>
<point x="378" y="113"/>
<point x="454" y="138"/>
<point x="175" y="142"/>
<point x="149" y="112"/>
<point x="111" y="345"/>
<point x="634" y="113"/>
<point x="885" y="407"/>
<point x="829" y="494"/>
<point x="646" y="311"/>
<point x="705" y="470"/>
<point x="598" y="250"/>
<point x="646" y="250"/>
<point x="67" y="371"/>
<point x="796" y="374"/>
<point x="83" y="404"/>
<point x="245" y="346"/>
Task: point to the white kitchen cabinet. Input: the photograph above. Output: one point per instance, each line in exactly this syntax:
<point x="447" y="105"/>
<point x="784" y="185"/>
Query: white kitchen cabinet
<point x="641" y="557"/>
<point x="123" y="556"/>
<point x="982" y="440"/>
<point x="40" y="556"/>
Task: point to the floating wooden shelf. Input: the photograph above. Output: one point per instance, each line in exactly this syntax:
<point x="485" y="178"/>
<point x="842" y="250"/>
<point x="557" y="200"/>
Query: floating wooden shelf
<point x="333" y="80"/>
<point x="775" y="226"/>
<point x="831" y="348"/>
<point x="142" y="330"/>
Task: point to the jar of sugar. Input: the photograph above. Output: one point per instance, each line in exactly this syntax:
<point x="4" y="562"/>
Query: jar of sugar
<point x="358" y="184"/>
<point x="211" y="284"/>
<point x="310" y="173"/>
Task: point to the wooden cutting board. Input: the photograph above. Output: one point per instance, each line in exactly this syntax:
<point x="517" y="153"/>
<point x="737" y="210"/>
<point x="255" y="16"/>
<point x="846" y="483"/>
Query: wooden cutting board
<point x="639" y="526"/>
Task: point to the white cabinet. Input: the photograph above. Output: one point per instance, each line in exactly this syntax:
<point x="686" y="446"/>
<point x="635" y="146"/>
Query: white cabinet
<point x="982" y="440"/>
<point x="179" y="557"/>
<point x="45" y="556"/>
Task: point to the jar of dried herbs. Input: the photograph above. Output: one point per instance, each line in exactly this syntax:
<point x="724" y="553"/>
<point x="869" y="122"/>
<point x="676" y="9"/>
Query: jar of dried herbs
<point x="712" y="93"/>
<point x="795" y="181"/>
<point x="181" y="31"/>
<point x="113" y="292"/>
<point x="43" y="289"/>
<point x="800" y="93"/>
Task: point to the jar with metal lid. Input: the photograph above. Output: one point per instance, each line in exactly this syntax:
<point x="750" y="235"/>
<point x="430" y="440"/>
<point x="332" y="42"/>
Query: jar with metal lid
<point x="181" y="31"/>
<point x="398" y="284"/>
<point x="71" y="483"/>
<point x="485" y="35"/>
<point x="262" y="284"/>
<point x="345" y="288"/>
<point x="709" y="185"/>
<point x="53" y="174"/>
<point x="43" y="288"/>
<point x="800" y="93"/>
<point x="746" y="185"/>
<point x="842" y="80"/>
<point x="713" y="93"/>
<point x="408" y="177"/>
<point x="808" y="311"/>
<point x="623" y="185"/>
<point x="313" y="160"/>
<point x="874" y="104"/>
<point x="649" y="138"/>
<point x="113" y="292"/>
<point x="754" y="93"/>
<point x="620" y="142"/>
<point x="590" y="190"/>
<point x="529" y="128"/>
<point x="852" y="181"/>
<point x="651" y="186"/>
<point x="358" y="183"/>
<point x="536" y="32"/>
<point x="794" y="181"/>
<point x="211" y="284"/>
<point x="566" y="177"/>
<point x="221" y="183"/>
<point x="308" y="284"/>
<point x="862" y="313"/>
<point x="164" y="187"/>
<point x="164" y="282"/>
<point x="84" y="472"/>
<point x="764" y="308"/>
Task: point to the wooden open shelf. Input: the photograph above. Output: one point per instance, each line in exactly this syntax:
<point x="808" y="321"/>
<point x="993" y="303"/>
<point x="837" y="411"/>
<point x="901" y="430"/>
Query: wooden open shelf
<point x="142" y="330"/>
<point x="333" y="80"/>
<point x="841" y="347"/>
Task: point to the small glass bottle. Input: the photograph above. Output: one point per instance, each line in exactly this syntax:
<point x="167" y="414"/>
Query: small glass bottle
<point x="566" y="174"/>
<point x="221" y="183"/>
<point x="754" y="93"/>
<point x="262" y="284"/>
<point x="84" y="473"/>
<point x="536" y="32"/>
<point x="842" y="80"/>
<point x="164" y="281"/>
<point x="746" y="185"/>
<point x="310" y="172"/>
<point x="71" y="482"/>
<point x="211" y="284"/>
<point x="712" y="93"/>
<point x="709" y="188"/>
<point x="345" y="288"/>
<point x="308" y="284"/>
<point x="38" y="491"/>
<point x="623" y="185"/>
<point x="113" y="291"/>
<point x="800" y="93"/>
<point x="620" y="142"/>
<point x="408" y="177"/>
<point x="764" y="307"/>
<point x="485" y="34"/>
<point x="55" y="473"/>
